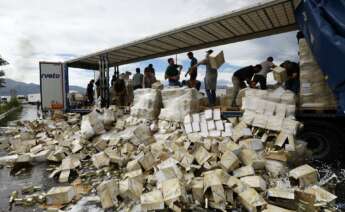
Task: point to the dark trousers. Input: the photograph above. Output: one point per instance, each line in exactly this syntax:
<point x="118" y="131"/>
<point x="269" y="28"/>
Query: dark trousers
<point x="293" y="85"/>
<point x="261" y="80"/>
<point x="211" y="96"/>
<point x="174" y="83"/>
<point x="90" y="98"/>
<point x="137" y="87"/>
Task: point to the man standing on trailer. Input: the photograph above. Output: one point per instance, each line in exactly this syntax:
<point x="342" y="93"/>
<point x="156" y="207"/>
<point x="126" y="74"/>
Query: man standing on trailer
<point x="90" y="92"/>
<point x="138" y="79"/>
<point x="292" y="70"/>
<point x="261" y="76"/>
<point x="240" y="77"/>
<point x="151" y="69"/>
<point x="193" y="62"/>
<point x="210" y="79"/>
<point x="172" y="73"/>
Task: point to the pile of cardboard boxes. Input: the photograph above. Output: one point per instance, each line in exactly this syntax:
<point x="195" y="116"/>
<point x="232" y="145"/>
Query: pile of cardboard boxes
<point x="198" y="162"/>
<point x="314" y="89"/>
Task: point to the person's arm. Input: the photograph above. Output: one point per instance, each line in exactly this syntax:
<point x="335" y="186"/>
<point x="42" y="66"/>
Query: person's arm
<point x="143" y="82"/>
<point x="249" y="82"/>
<point x="165" y="75"/>
<point x="203" y="62"/>
<point x="180" y="67"/>
<point x="271" y="68"/>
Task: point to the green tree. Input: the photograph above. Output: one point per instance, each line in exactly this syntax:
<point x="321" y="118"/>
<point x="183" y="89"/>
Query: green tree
<point x="2" y="73"/>
<point x="2" y="79"/>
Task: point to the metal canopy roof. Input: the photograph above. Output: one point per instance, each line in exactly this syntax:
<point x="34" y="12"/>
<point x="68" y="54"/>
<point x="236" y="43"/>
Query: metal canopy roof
<point x="267" y="18"/>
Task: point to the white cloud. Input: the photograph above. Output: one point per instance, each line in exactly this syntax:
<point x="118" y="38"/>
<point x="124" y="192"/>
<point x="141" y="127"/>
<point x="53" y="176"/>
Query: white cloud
<point x="55" y="30"/>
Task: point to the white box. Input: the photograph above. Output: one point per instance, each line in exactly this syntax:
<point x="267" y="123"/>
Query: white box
<point x="203" y="126"/>
<point x="196" y="126"/>
<point x="226" y="133"/>
<point x="187" y="119"/>
<point x="208" y="114"/>
<point x="219" y="125"/>
<point x="216" y="114"/>
<point x="211" y="125"/>
<point x="228" y="127"/>
<point x="196" y="117"/>
<point x="188" y="127"/>
<point x="204" y="134"/>
<point x="215" y="133"/>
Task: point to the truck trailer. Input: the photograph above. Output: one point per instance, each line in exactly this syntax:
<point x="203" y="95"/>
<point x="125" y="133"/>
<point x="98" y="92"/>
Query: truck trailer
<point x="323" y="26"/>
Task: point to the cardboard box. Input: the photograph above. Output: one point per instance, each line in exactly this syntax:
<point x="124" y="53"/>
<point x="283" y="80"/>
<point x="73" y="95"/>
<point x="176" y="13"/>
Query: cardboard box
<point x="306" y="175"/>
<point x="152" y="200"/>
<point x="60" y="195"/>
<point x="217" y="61"/>
<point x="279" y="74"/>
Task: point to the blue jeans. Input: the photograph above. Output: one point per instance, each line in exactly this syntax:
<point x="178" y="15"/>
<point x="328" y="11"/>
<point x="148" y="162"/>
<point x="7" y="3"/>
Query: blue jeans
<point x="174" y="83"/>
<point x="211" y="95"/>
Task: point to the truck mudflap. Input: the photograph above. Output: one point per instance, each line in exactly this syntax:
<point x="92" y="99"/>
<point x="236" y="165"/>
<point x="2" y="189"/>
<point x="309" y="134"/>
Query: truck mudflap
<point x="323" y="25"/>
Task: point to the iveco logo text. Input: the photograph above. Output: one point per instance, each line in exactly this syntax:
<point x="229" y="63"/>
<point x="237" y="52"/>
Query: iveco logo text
<point x="50" y="76"/>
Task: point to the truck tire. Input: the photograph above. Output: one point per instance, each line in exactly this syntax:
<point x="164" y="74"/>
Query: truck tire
<point x="324" y="139"/>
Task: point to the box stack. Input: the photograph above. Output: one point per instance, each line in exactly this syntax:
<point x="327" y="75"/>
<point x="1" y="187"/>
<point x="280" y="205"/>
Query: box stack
<point x="146" y="104"/>
<point x="178" y="102"/>
<point x="207" y="124"/>
<point x="314" y="92"/>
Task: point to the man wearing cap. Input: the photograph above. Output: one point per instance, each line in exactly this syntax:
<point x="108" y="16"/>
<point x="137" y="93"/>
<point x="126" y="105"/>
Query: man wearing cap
<point x="210" y="79"/>
<point x="172" y="73"/>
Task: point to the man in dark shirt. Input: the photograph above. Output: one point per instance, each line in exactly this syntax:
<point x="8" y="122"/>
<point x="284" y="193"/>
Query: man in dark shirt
<point x="192" y="82"/>
<point x="193" y="62"/>
<point x="172" y="73"/>
<point x="89" y="92"/>
<point x="138" y="79"/>
<point x="292" y="70"/>
<point x="151" y="69"/>
<point x="240" y="77"/>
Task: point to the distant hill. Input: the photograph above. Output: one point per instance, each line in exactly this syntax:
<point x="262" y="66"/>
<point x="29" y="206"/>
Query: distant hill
<point x="28" y="88"/>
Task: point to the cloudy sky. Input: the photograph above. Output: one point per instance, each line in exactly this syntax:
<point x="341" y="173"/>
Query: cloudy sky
<point x="58" y="30"/>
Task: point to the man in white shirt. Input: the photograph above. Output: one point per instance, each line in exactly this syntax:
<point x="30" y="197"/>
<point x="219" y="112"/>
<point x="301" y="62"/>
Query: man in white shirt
<point x="261" y="77"/>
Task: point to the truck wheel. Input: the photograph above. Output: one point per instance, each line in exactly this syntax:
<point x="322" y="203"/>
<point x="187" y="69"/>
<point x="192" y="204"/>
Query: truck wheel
<point x="324" y="139"/>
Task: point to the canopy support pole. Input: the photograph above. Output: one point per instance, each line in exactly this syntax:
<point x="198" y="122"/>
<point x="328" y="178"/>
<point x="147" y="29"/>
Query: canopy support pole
<point x="104" y="80"/>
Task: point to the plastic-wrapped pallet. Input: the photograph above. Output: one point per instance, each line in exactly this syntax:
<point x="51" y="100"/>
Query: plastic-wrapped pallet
<point x="178" y="102"/>
<point x="146" y="104"/>
<point x="314" y="89"/>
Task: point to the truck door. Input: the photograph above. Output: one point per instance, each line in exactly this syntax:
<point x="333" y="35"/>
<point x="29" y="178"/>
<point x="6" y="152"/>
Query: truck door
<point x="52" y="86"/>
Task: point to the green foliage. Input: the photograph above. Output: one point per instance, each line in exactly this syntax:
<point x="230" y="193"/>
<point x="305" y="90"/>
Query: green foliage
<point x="9" y="105"/>
<point x="14" y="102"/>
<point x="2" y="80"/>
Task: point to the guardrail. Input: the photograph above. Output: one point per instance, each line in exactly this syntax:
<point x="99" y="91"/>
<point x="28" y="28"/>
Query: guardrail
<point x="4" y="115"/>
